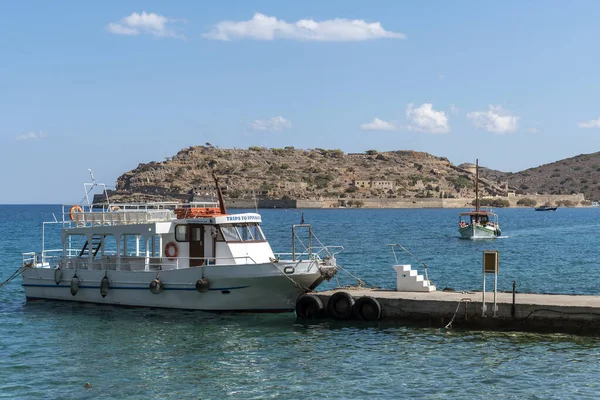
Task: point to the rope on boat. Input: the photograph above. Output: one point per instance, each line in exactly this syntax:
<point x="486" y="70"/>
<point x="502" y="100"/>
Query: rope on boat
<point x="465" y="300"/>
<point x="14" y="275"/>
<point x="291" y="280"/>
<point x="361" y="284"/>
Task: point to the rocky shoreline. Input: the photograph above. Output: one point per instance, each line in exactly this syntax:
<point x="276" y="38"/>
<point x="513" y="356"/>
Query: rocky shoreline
<point x="465" y="202"/>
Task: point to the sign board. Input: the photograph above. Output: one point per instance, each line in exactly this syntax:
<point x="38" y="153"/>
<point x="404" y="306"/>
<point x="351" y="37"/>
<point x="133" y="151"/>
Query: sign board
<point x="490" y="261"/>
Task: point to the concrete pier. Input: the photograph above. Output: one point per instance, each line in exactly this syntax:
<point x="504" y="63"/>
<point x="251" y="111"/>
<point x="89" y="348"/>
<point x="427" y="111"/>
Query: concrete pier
<point x="529" y="312"/>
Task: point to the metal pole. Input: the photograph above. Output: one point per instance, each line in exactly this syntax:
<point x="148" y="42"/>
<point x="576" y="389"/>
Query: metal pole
<point x="495" y="291"/>
<point x="512" y="309"/>
<point x="310" y="241"/>
<point x="477" y="185"/>
<point x="293" y="244"/>
<point x="483" y="307"/>
<point x="43" y="235"/>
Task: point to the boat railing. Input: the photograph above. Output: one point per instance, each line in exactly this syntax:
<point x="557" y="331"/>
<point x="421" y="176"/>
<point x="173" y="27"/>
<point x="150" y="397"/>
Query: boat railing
<point x="54" y="258"/>
<point x="118" y="217"/>
<point x="127" y="213"/>
<point x="29" y="258"/>
<point x="321" y="254"/>
<point x="310" y="245"/>
<point x="329" y="251"/>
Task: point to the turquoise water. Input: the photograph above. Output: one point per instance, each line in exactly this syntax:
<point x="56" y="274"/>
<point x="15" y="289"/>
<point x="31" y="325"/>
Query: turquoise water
<point x="50" y="350"/>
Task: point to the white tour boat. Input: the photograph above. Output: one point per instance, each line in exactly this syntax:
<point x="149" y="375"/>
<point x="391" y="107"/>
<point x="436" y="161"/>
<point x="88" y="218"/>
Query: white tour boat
<point x="172" y="255"/>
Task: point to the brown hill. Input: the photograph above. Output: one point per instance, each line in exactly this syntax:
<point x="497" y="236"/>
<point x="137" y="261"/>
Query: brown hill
<point x="579" y="174"/>
<point x="302" y="174"/>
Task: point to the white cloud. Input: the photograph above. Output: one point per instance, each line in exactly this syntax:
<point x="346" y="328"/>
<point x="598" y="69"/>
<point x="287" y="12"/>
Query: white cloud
<point x="263" y="27"/>
<point x="426" y="119"/>
<point x="496" y="119"/>
<point x="275" y="124"/>
<point x="150" y="23"/>
<point x="454" y="109"/>
<point x="378" y="125"/>
<point x="31" y="136"/>
<point x="595" y="123"/>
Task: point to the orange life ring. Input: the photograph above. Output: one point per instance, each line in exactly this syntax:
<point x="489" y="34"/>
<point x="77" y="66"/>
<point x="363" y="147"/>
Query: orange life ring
<point x="73" y="210"/>
<point x="171" y="251"/>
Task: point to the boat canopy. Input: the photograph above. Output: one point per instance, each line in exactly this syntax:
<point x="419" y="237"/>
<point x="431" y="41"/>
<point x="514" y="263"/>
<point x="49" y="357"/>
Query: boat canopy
<point x="476" y="213"/>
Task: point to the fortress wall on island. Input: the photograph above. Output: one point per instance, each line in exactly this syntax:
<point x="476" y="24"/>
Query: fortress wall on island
<point x="550" y="198"/>
<point x="396" y="203"/>
<point x="261" y="203"/>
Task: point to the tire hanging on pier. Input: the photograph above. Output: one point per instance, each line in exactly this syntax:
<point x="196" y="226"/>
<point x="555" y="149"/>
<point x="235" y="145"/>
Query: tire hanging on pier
<point x="309" y="306"/>
<point x="74" y="284"/>
<point x="104" y="284"/>
<point x="340" y="306"/>
<point x="156" y="286"/>
<point x="367" y="309"/>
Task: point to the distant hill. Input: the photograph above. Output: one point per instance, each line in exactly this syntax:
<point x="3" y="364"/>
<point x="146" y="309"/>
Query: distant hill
<point x="289" y="173"/>
<point x="579" y="174"/>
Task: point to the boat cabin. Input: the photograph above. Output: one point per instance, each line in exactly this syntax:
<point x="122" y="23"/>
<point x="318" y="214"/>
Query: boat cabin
<point x="482" y="218"/>
<point x="158" y="236"/>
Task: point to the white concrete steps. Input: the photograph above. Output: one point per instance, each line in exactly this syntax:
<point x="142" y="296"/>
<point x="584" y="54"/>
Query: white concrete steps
<point x="408" y="280"/>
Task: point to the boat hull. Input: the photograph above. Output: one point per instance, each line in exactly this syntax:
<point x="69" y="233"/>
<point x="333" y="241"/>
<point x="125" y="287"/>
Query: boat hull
<point x="256" y="288"/>
<point x="478" y="232"/>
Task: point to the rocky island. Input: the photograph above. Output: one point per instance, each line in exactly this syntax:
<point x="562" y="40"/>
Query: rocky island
<point x="289" y="177"/>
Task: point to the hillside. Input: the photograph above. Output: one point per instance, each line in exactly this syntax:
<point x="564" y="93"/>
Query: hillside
<point x="579" y="174"/>
<point x="291" y="173"/>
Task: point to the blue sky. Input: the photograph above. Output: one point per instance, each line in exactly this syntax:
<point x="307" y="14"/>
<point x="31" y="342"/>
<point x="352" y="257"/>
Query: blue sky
<point x="109" y="85"/>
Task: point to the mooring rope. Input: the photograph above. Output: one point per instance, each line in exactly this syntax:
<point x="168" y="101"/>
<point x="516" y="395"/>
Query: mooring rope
<point x="465" y="300"/>
<point x="14" y="275"/>
<point x="361" y="283"/>
<point x="291" y="280"/>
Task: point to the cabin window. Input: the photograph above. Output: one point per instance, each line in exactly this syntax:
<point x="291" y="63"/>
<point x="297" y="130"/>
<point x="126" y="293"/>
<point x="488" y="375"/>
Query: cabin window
<point x="217" y="234"/>
<point x="256" y="232"/>
<point x="196" y="234"/>
<point x="230" y="233"/>
<point x="245" y="233"/>
<point x="242" y="232"/>
<point x="181" y="233"/>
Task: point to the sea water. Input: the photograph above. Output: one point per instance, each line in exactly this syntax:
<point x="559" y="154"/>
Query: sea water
<point x="50" y="350"/>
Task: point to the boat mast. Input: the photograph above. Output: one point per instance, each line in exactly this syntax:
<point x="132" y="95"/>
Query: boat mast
<point x="477" y="185"/>
<point x="219" y="193"/>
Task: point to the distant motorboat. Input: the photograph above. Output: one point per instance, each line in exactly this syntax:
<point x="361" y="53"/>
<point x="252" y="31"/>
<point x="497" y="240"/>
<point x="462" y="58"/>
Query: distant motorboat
<point x="545" y="208"/>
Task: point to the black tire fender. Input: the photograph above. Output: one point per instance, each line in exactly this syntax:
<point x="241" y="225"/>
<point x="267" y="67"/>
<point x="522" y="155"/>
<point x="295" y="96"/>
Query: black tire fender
<point x="341" y="306"/>
<point x="309" y="306"/>
<point x="367" y="309"/>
